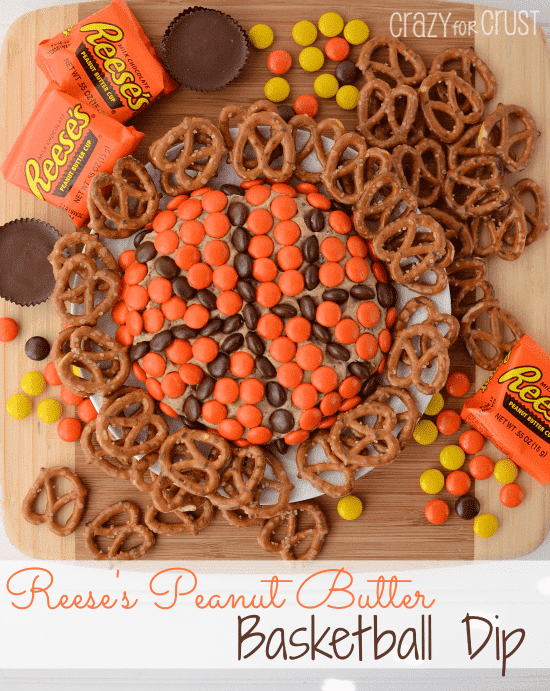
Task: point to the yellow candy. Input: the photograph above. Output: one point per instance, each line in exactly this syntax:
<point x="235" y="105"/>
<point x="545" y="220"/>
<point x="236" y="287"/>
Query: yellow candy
<point x="425" y="432"/>
<point x="76" y="371"/>
<point x="330" y="24"/>
<point x="18" y="406"/>
<point x="432" y="481"/>
<point x="326" y="85"/>
<point x="311" y="59"/>
<point x="277" y="89"/>
<point x="347" y="97"/>
<point x="356" y="32"/>
<point x="435" y="405"/>
<point x="349" y="508"/>
<point x="304" y="33"/>
<point x="33" y="383"/>
<point x="452" y="457"/>
<point x="506" y="471"/>
<point x="485" y="525"/>
<point x="261" y="36"/>
<point x="49" y="410"/>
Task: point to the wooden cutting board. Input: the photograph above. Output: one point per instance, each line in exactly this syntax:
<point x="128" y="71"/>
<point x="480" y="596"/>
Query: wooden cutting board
<point x="392" y="525"/>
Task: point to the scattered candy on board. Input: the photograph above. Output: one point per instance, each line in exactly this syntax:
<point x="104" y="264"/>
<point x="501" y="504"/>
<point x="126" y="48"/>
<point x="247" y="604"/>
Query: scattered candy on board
<point x="350" y="507"/>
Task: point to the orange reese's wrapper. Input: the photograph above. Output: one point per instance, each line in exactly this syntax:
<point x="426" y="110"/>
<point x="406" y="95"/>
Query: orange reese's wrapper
<point x="512" y="408"/>
<point x="106" y="61"/>
<point x="63" y="145"/>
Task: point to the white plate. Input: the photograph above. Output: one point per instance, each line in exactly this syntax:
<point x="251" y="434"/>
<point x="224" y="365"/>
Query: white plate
<point x="302" y="488"/>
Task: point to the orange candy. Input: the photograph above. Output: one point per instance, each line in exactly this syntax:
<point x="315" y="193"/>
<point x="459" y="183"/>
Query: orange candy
<point x="259" y="435"/>
<point x="287" y="232"/>
<point x="448" y="422"/>
<point x="384" y="340"/>
<point x="391" y="317"/>
<point x="270" y="326"/>
<point x="139" y="372"/>
<point x="230" y="429"/>
<point x="337" y="48"/>
<point x="51" y="376"/>
<point x="306" y="104"/>
<point x="328" y="313"/>
<point x="282" y="349"/>
<point x="69" y="397"/>
<point x="366" y="346"/>
<point x="324" y="379"/>
<point x="333" y="249"/>
<point x="291" y="282"/>
<point x="296" y="437"/>
<point x="331" y="274"/>
<point x="471" y="441"/>
<point x="310" y="419"/>
<point x="330" y="403"/>
<point x="247" y="184"/>
<point x="174" y="308"/>
<point x="172" y="385"/>
<point x="290" y="257"/>
<point x="282" y="188"/>
<point x="340" y="222"/>
<point x="153" y="364"/>
<point x="135" y="273"/>
<point x="283" y="208"/>
<point x="176" y="201"/>
<point x="290" y="375"/>
<point x="159" y="289"/>
<point x="249" y="416"/>
<point x="134" y="323"/>
<point x="380" y="272"/>
<point x="229" y="302"/>
<point x="268" y="294"/>
<point x="260" y="246"/>
<point x="119" y="312"/>
<point x="368" y="314"/>
<point x="357" y="247"/>
<point x="349" y="387"/>
<point x="189" y="209"/>
<point x="298" y="329"/>
<point x="306" y="188"/>
<point x="166" y="242"/>
<point x="264" y="270"/>
<point x="153" y="320"/>
<point x="164" y="220"/>
<point x="226" y="390"/>
<point x="69" y="429"/>
<point x="511" y="495"/>
<point x="216" y="225"/>
<point x="304" y="396"/>
<point x="199" y="276"/>
<point x="179" y="351"/>
<point x="186" y="256"/>
<point x="225" y="277"/>
<point x="251" y="390"/>
<point x="201" y="191"/>
<point x="349" y="403"/>
<point x="457" y="384"/>
<point x="86" y="410"/>
<point x="258" y="194"/>
<point x="8" y="329"/>
<point x="154" y="388"/>
<point x="167" y="410"/>
<point x="319" y="201"/>
<point x="458" y="482"/>
<point x="204" y="349"/>
<point x="123" y="336"/>
<point x="126" y="259"/>
<point x="437" y="511"/>
<point x="327" y="422"/>
<point x="216" y="252"/>
<point x="346" y="331"/>
<point x="192" y="232"/>
<point x="196" y="316"/>
<point x="191" y="374"/>
<point x="279" y="61"/>
<point x="214" y="201"/>
<point x="136" y="297"/>
<point x="259" y="221"/>
<point x="213" y="412"/>
<point x="357" y="270"/>
<point x="309" y="357"/>
<point x="241" y="364"/>
<point x="481" y="467"/>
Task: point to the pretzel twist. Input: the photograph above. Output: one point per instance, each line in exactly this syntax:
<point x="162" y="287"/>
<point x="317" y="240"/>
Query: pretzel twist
<point x="293" y="536"/>
<point x="119" y="533"/>
<point x="498" y="125"/>
<point x="391" y="68"/>
<point x="311" y="472"/>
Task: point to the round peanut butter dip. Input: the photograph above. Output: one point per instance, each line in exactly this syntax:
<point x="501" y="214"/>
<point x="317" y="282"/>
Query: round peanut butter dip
<point x="262" y="315"/>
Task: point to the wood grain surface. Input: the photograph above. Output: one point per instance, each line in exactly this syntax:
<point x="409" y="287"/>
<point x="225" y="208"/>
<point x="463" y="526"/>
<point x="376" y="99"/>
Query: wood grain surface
<point x="392" y="525"/>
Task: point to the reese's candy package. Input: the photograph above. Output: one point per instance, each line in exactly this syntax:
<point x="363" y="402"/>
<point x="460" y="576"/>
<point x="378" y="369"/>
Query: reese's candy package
<point x="107" y="62"/>
<point x="512" y="408"/>
<point x="63" y="145"/>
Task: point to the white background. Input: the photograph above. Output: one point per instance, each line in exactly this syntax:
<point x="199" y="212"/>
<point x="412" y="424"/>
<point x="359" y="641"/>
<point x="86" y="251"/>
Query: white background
<point x="518" y="592"/>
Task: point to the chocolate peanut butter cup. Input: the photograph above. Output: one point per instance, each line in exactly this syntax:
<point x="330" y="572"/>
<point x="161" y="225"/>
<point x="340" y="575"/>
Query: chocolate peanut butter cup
<point x="204" y="49"/>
